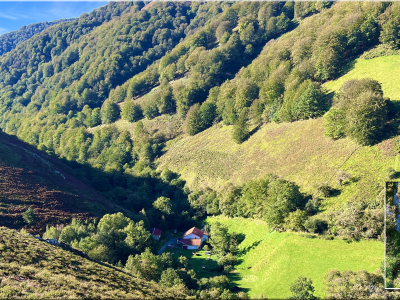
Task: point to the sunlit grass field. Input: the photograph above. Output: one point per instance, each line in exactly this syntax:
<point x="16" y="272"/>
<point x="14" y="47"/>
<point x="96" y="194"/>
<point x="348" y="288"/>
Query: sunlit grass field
<point x="297" y="151"/>
<point x="270" y="261"/>
<point x="385" y="69"/>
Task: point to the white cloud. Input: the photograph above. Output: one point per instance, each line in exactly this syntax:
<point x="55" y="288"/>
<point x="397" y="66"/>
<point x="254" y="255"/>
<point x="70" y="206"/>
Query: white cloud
<point x="8" y="16"/>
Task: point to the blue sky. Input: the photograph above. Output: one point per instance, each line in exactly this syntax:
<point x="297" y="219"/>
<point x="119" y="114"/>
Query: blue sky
<point x="13" y="15"/>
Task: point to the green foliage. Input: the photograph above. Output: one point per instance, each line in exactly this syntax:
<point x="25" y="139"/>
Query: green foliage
<point x="295" y="220"/>
<point x="302" y="288"/>
<point x="95" y="117"/>
<point x="147" y="265"/>
<point x="241" y="129"/>
<point x="360" y="112"/>
<point x="335" y="123"/>
<point x="193" y="122"/>
<point x="170" y="277"/>
<point x="102" y="253"/>
<point x="221" y="240"/>
<point x="113" y="239"/>
<point x="87" y="244"/>
<point x="164" y="205"/>
<point x="390" y="33"/>
<point x="366" y="117"/>
<point x="315" y="225"/>
<point x="310" y="104"/>
<point x="29" y="216"/>
<point x="283" y="198"/>
<point x="131" y="112"/>
<point x="109" y="112"/>
<point x="208" y="114"/>
<point x="52" y="233"/>
<point x="348" y="284"/>
<point x="356" y="221"/>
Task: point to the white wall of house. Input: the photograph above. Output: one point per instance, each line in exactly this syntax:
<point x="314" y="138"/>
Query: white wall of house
<point x="191" y="236"/>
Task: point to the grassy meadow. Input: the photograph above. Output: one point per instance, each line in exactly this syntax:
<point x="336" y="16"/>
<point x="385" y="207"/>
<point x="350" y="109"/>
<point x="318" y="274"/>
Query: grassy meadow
<point x="385" y="69"/>
<point x="297" y="151"/>
<point x="270" y="261"/>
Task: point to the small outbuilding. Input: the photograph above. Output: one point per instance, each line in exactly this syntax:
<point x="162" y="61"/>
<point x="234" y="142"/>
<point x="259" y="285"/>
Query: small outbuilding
<point x="156" y="233"/>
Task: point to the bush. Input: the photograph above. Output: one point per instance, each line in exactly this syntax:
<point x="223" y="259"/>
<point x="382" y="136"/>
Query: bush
<point x="335" y="123"/>
<point x="29" y="216"/>
<point x="302" y="288"/>
<point x="360" y="112"/>
<point x="315" y="225"/>
<point x="241" y="130"/>
<point x="295" y="220"/>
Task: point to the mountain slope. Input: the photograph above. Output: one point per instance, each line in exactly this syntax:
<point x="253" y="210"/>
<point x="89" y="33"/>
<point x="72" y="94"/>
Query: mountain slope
<point x="298" y="151"/>
<point x="35" y="269"/>
<point x="9" y="41"/>
<point x="31" y="178"/>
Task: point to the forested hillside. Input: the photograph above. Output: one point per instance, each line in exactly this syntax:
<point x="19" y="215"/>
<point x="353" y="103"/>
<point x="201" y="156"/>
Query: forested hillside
<point x="9" y="41"/>
<point x="175" y="111"/>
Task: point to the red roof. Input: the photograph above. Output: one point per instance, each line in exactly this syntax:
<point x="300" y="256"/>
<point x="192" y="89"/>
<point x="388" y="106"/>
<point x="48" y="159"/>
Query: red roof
<point x="195" y="231"/>
<point x="156" y="231"/>
<point x="191" y="242"/>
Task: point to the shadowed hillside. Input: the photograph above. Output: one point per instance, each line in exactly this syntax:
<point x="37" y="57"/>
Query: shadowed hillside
<point x="31" y="268"/>
<point x="31" y="178"/>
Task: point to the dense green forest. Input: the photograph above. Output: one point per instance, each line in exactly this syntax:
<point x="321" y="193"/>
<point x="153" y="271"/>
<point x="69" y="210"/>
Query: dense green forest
<point x="11" y="40"/>
<point x="88" y="92"/>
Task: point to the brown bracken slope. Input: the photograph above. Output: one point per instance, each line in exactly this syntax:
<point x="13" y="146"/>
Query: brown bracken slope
<point x="31" y="178"/>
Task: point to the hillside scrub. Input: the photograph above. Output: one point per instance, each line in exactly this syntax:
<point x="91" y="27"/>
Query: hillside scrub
<point x="360" y="112"/>
<point x="32" y="268"/>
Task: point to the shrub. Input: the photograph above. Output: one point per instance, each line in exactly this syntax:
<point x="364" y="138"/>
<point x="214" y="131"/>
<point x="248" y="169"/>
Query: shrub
<point x="315" y="225"/>
<point x="335" y="123"/>
<point x="241" y="130"/>
<point x="295" y="220"/>
<point x="29" y="216"/>
<point x="360" y="112"/>
<point x="302" y="288"/>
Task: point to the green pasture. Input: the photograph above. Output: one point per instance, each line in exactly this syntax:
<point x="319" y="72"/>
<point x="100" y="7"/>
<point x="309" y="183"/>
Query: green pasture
<point x="270" y="261"/>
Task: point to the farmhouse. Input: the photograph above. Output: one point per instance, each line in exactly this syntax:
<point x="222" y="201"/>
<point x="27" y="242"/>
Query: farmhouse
<point x="156" y="233"/>
<point x="193" y="238"/>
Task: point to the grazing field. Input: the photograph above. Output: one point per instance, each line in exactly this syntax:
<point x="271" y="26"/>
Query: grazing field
<point x="35" y="269"/>
<point x="298" y="151"/>
<point x="385" y="69"/>
<point x="270" y="261"/>
<point x="209" y="262"/>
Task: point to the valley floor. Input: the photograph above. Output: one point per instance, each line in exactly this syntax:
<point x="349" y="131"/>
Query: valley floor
<point x="270" y="261"/>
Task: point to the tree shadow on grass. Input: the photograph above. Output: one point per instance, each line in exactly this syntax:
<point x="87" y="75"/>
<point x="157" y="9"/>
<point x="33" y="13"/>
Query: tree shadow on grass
<point x="249" y="248"/>
<point x="391" y="128"/>
<point x="254" y="130"/>
<point x="346" y="68"/>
